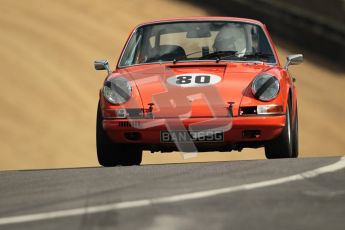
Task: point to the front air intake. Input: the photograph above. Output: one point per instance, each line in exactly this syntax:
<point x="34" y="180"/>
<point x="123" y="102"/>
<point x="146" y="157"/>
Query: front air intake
<point x="124" y="124"/>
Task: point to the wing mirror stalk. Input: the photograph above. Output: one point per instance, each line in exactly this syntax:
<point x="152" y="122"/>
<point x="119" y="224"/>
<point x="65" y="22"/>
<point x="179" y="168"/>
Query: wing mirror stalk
<point x="293" y="59"/>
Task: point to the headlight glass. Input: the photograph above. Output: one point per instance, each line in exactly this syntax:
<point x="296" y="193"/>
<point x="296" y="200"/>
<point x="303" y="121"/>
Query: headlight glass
<point x="117" y="90"/>
<point x="265" y="87"/>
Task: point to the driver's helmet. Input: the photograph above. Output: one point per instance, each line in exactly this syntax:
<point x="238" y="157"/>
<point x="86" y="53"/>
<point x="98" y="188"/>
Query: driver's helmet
<point x="228" y="39"/>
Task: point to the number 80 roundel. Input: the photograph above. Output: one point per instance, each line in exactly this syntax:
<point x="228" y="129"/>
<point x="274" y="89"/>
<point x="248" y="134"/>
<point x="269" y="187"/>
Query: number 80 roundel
<point x="194" y="80"/>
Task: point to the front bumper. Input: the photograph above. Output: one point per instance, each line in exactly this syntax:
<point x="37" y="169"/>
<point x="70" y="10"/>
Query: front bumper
<point x="236" y="129"/>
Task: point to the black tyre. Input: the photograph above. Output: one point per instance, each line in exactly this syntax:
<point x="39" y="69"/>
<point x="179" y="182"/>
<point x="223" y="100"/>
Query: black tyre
<point x="111" y="154"/>
<point x="295" y="144"/>
<point x="286" y="145"/>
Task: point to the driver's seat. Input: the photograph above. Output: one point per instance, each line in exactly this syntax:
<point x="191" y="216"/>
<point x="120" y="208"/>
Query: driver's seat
<point x="166" y="53"/>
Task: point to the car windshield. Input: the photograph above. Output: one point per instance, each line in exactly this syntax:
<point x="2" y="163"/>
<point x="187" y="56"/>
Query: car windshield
<point x="197" y="41"/>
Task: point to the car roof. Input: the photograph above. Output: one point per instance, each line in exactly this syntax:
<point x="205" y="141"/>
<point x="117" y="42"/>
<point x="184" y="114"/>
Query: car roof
<point x="202" y="18"/>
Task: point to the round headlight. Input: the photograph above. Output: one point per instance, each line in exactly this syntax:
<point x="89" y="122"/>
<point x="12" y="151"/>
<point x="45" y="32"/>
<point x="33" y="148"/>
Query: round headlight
<point x="265" y="87"/>
<point x="117" y="90"/>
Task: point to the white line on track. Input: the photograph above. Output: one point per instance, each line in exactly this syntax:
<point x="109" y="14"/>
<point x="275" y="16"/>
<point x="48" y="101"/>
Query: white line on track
<point x="171" y="199"/>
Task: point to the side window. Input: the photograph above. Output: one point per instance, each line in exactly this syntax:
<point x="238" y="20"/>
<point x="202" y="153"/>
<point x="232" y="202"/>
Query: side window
<point x="263" y="43"/>
<point x="253" y="42"/>
<point x="131" y="49"/>
<point x="260" y="43"/>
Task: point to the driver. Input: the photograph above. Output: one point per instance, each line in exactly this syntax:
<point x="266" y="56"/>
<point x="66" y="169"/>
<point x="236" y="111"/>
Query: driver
<point x="228" y="39"/>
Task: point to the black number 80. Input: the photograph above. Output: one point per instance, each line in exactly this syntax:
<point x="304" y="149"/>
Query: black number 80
<point x="199" y="79"/>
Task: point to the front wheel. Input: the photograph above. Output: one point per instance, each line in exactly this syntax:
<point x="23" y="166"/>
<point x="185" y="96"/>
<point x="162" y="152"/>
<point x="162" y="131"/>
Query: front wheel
<point x="286" y="145"/>
<point x="111" y="154"/>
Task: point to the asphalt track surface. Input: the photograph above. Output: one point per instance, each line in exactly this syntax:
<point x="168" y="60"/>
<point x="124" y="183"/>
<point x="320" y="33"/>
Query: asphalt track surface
<point x="264" y="194"/>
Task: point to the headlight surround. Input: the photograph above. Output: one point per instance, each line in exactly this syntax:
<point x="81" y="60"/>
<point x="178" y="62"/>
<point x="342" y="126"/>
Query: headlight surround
<point x="265" y="87"/>
<point x="117" y="90"/>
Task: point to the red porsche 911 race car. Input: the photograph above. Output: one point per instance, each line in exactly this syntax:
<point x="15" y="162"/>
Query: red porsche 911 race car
<point x="197" y="84"/>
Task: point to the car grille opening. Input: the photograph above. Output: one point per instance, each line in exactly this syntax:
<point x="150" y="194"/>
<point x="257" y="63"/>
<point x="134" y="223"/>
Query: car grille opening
<point x="248" y="110"/>
<point x="129" y="124"/>
<point x="135" y="113"/>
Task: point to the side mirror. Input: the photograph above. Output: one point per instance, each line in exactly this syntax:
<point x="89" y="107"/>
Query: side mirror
<point x="293" y="59"/>
<point x="102" y="65"/>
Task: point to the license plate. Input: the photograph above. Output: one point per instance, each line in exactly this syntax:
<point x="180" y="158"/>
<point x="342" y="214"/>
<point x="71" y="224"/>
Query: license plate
<point x="192" y="136"/>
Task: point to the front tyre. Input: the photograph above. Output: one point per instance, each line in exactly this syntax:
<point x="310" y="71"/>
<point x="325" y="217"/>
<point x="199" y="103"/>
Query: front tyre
<point x="295" y="144"/>
<point x="286" y="145"/>
<point x="110" y="154"/>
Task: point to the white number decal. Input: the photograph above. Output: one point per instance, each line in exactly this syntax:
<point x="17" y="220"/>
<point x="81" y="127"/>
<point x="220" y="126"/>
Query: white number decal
<point x="194" y="80"/>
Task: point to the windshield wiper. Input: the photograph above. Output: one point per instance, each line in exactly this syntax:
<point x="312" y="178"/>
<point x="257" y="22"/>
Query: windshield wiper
<point x="187" y="55"/>
<point x="175" y="60"/>
<point x="219" y="55"/>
